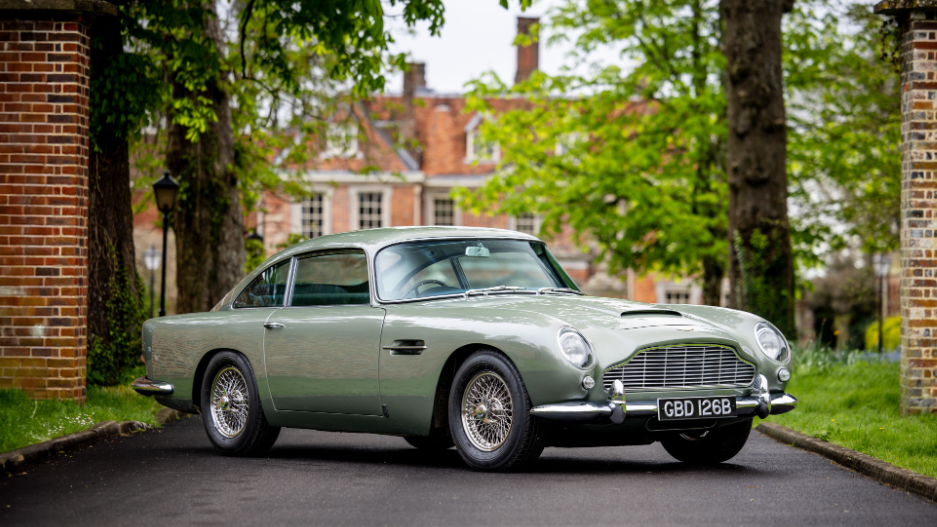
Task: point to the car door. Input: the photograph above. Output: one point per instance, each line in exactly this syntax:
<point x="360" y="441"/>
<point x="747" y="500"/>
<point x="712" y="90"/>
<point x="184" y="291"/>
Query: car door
<point x="321" y="351"/>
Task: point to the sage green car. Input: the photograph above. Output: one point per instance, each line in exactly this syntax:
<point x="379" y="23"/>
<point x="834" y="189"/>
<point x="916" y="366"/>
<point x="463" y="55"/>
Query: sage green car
<point x="465" y="337"/>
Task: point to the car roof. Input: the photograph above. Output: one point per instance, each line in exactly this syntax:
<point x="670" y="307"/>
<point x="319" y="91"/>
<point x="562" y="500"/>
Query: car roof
<point x="375" y="239"/>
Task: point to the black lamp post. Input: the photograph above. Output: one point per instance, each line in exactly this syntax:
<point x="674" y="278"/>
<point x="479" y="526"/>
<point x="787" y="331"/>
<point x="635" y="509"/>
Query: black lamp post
<point x="151" y="258"/>
<point x="881" y="263"/>
<point x="165" y="191"/>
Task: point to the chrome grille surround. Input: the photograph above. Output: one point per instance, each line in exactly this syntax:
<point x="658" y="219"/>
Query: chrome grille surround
<point x="682" y="367"/>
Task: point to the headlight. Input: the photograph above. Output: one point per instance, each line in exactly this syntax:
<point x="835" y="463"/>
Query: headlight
<point x="575" y="347"/>
<point x="770" y="341"/>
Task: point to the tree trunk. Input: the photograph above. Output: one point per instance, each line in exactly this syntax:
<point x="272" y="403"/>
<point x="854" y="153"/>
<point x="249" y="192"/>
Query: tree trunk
<point x="713" y="272"/>
<point x="207" y="220"/>
<point x="114" y="310"/>
<point x="761" y="266"/>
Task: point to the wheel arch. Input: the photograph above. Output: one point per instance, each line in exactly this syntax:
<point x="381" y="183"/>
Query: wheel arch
<point x="203" y="365"/>
<point x="440" y="420"/>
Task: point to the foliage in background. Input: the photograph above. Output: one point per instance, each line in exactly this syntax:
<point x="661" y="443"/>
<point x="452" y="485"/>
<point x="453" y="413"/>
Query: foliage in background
<point x="24" y="421"/>
<point x="891" y="329"/>
<point x="843" y="300"/>
<point x="109" y="359"/>
<point x="844" y="130"/>
<point x="632" y="160"/>
<point x="853" y="400"/>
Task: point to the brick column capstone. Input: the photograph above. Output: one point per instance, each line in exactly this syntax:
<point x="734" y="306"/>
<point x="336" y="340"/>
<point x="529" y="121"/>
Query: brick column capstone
<point x="44" y="68"/>
<point x="918" y="25"/>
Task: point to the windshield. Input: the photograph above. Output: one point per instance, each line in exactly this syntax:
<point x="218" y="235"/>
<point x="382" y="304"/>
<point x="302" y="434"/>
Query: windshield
<point x="434" y="268"/>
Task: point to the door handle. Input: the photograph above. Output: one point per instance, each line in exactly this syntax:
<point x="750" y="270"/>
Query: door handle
<point x="273" y="325"/>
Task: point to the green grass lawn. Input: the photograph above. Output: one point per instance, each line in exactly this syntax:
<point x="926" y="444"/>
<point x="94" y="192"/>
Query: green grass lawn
<point x="24" y="421"/>
<point x="855" y="403"/>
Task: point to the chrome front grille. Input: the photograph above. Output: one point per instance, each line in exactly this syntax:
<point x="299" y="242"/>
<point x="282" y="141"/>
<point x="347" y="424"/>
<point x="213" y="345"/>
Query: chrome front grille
<point x="696" y="366"/>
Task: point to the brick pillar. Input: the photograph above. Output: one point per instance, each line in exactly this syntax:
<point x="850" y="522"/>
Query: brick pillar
<point x="918" y="23"/>
<point x="44" y="195"/>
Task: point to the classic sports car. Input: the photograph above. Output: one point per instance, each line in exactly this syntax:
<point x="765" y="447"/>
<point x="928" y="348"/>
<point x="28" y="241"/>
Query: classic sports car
<point x="460" y="336"/>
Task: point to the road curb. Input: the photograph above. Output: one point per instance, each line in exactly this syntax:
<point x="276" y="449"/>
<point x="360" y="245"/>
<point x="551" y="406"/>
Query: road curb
<point x="900" y="478"/>
<point x="19" y="459"/>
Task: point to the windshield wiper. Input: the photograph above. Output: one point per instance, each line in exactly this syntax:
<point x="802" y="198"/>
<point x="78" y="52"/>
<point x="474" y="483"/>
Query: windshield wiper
<point x="545" y="290"/>
<point x="497" y="289"/>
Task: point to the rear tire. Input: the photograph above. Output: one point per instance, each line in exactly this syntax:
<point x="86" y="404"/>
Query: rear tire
<point x="709" y="447"/>
<point x="489" y="415"/>
<point x="231" y="411"/>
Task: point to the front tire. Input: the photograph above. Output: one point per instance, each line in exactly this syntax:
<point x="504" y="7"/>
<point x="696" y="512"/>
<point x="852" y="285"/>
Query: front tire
<point x="231" y="411"/>
<point x="711" y="446"/>
<point x="489" y="415"/>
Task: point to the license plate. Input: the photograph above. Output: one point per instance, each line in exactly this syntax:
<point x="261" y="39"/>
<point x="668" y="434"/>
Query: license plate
<point x="695" y="408"/>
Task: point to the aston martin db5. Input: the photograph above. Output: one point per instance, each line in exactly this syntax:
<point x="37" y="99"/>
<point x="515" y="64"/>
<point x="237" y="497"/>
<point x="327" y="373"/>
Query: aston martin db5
<point x="465" y="337"/>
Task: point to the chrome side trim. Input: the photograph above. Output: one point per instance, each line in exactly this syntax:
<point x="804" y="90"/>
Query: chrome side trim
<point x="148" y="387"/>
<point x="572" y="412"/>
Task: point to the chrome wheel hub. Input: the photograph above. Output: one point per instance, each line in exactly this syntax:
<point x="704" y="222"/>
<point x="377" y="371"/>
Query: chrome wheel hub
<point x="229" y="402"/>
<point x="487" y="411"/>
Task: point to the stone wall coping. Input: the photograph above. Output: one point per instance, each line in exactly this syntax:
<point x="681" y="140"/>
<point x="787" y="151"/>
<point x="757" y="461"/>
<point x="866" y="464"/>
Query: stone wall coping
<point x="897" y="7"/>
<point x="91" y="7"/>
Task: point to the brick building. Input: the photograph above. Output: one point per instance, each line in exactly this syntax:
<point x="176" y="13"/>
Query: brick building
<point x="412" y="184"/>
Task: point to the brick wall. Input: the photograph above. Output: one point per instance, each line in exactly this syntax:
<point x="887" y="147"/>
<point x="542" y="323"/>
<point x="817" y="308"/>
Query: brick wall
<point x="43" y="205"/>
<point x="918" y="213"/>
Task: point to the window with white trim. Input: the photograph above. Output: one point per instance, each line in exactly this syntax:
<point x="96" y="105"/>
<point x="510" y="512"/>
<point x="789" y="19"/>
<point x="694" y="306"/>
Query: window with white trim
<point x="370" y="208"/>
<point x="313" y="216"/>
<point x="477" y="149"/>
<point x="527" y="223"/>
<point x="443" y="211"/>
<point x="341" y="140"/>
<point x="677" y="296"/>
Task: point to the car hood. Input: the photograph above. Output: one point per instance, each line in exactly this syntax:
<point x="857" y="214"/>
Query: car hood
<point x="588" y="312"/>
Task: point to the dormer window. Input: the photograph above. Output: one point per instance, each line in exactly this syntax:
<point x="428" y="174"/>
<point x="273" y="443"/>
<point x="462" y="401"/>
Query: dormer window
<point x="476" y="148"/>
<point x="341" y="140"/>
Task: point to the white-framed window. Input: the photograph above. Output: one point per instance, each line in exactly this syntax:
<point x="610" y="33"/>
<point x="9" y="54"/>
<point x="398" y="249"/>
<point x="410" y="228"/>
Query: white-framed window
<point x="677" y="296"/>
<point x="527" y="222"/>
<point x="313" y="216"/>
<point x="443" y="211"/>
<point x="370" y="210"/>
<point x="476" y="148"/>
<point x="341" y="140"/>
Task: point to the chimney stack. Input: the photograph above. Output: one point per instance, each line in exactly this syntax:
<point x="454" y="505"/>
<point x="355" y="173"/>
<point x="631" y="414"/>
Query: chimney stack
<point x="528" y="57"/>
<point x="414" y="78"/>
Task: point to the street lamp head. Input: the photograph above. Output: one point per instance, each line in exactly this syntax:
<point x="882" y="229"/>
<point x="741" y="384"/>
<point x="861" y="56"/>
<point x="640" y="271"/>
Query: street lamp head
<point x="256" y="236"/>
<point x="165" y="191"/>
<point x="151" y="258"/>
<point x="881" y="263"/>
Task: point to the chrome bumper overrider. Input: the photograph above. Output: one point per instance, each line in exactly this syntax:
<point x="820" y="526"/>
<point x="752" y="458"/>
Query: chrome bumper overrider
<point x="147" y="387"/>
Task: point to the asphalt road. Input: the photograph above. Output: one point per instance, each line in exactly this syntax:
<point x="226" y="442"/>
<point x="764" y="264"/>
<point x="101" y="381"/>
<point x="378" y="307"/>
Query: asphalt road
<point x="173" y="477"/>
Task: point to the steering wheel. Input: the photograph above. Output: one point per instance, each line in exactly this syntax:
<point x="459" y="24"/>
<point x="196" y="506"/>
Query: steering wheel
<point x="415" y="288"/>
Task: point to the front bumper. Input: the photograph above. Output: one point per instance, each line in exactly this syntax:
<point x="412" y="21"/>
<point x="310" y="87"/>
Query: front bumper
<point x="589" y="412"/>
<point x="148" y="387"/>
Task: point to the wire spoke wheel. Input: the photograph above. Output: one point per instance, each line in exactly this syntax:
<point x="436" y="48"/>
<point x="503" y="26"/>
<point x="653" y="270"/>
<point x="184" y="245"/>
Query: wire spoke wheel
<point x="487" y="411"/>
<point x="230" y="404"/>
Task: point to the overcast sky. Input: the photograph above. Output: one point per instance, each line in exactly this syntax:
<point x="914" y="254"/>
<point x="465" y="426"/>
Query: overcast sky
<point x="476" y="38"/>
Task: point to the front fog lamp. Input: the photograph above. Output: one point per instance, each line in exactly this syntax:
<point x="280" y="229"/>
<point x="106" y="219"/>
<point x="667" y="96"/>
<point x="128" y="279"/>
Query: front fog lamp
<point x="575" y="347"/>
<point x="771" y="342"/>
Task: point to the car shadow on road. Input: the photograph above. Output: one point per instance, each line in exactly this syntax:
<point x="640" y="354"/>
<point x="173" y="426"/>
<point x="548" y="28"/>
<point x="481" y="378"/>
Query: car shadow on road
<point x="450" y="459"/>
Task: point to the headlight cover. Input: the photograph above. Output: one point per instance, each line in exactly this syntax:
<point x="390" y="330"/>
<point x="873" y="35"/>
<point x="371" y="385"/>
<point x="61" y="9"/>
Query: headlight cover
<point x="575" y="347"/>
<point x="770" y="341"/>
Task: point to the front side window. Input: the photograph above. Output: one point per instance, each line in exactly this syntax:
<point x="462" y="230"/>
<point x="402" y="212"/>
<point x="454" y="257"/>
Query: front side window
<point x="435" y="268"/>
<point x="267" y="290"/>
<point x="331" y="279"/>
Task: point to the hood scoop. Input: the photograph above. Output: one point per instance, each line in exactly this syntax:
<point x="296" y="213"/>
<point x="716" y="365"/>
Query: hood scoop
<point x="639" y="312"/>
<point x="646" y="312"/>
